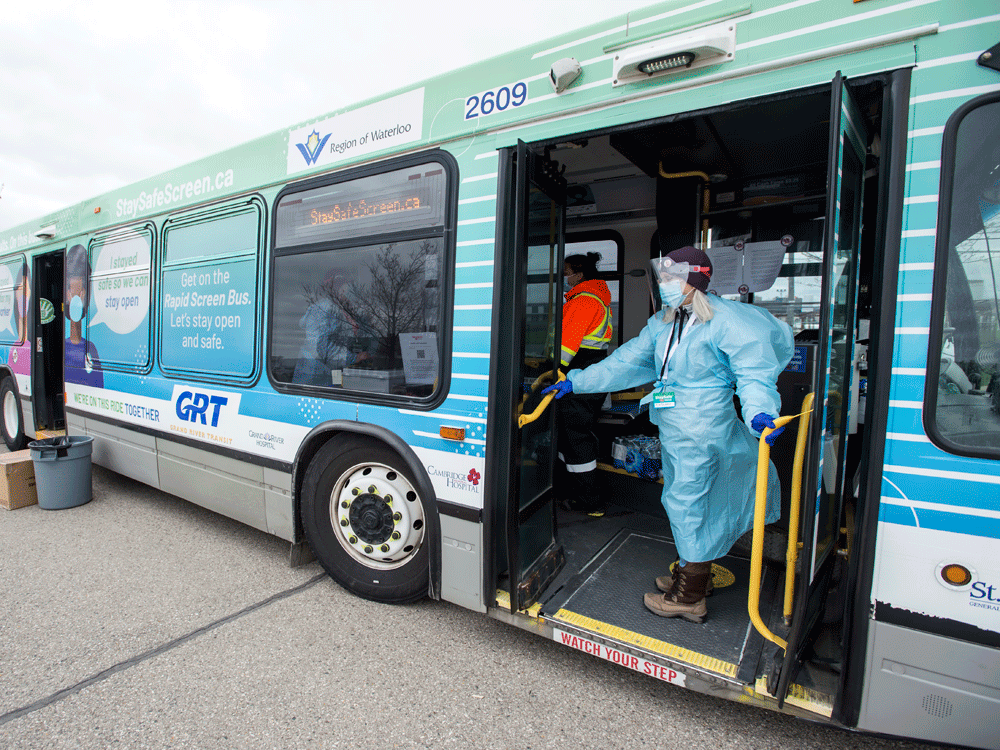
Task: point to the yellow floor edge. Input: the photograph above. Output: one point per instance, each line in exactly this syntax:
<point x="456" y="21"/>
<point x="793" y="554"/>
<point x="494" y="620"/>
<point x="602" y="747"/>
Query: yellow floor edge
<point x="668" y="650"/>
<point x="503" y="601"/>
<point x="801" y="697"/>
<point x="43" y="434"/>
<point x="798" y="695"/>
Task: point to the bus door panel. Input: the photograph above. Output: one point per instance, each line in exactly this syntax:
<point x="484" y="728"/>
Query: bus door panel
<point x="825" y="476"/>
<point x="47" y="350"/>
<point x="534" y="557"/>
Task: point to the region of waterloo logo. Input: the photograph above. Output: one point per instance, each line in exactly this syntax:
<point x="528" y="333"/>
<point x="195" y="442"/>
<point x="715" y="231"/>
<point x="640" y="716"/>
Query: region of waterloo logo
<point x="311" y="149"/>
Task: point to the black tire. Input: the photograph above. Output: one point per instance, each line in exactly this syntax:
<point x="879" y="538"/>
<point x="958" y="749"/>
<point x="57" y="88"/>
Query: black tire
<point x="356" y="543"/>
<point x="11" y="416"/>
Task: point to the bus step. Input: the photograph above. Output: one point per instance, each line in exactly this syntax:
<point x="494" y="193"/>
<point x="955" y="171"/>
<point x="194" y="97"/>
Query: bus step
<point x="606" y="599"/>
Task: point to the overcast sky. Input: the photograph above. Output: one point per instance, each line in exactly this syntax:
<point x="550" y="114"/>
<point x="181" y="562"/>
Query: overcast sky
<point x="95" y="95"/>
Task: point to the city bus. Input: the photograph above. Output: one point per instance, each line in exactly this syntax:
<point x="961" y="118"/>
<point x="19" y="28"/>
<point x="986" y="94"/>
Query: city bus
<point x="337" y="333"/>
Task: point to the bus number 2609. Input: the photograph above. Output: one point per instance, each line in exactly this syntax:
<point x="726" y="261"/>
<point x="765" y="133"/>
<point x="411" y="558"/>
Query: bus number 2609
<point x="496" y="101"/>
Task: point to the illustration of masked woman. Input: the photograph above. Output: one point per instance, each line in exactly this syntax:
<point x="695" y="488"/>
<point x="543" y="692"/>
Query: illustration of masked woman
<point x="83" y="364"/>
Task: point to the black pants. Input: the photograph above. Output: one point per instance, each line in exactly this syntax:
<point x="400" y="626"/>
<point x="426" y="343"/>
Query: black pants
<point x="576" y="417"/>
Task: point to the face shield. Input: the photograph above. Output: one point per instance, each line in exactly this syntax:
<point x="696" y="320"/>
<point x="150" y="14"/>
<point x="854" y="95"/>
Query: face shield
<point x="670" y="278"/>
<point x="666" y="270"/>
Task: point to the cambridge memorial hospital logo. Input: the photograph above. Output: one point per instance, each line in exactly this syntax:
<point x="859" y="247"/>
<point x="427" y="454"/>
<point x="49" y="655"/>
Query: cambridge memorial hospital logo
<point x="456" y="480"/>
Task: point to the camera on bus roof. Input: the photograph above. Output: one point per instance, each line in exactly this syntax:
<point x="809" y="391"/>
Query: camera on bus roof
<point x="563" y="72"/>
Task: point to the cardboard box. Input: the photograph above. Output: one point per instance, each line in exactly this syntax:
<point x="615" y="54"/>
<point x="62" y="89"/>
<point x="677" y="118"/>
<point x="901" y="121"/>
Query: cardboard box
<point x="17" y="480"/>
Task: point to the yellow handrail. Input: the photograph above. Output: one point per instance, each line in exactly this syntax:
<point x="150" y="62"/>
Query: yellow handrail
<point x="539" y="381"/>
<point x="674" y="175"/>
<point x="524" y="419"/>
<point x="792" y="553"/>
<point x="760" y="514"/>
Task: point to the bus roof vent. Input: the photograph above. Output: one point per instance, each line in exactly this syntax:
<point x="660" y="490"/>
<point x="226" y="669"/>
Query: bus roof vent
<point x="709" y="45"/>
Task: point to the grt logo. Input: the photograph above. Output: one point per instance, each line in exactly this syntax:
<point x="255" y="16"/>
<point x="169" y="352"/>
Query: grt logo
<point x="194" y="406"/>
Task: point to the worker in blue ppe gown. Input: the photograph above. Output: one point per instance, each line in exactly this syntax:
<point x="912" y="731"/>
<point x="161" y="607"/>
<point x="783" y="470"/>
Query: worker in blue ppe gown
<point x="698" y="350"/>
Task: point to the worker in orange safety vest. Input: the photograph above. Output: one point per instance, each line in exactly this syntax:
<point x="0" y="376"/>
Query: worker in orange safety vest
<point x="586" y="332"/>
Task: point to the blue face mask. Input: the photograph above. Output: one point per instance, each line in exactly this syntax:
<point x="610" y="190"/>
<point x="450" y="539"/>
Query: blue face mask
<point x="672" y="293"/>
<point x="76" y="309"/>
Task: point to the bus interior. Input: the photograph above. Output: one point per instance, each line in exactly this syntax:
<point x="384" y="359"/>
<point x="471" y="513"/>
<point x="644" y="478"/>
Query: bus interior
<point x="747" y="175"/>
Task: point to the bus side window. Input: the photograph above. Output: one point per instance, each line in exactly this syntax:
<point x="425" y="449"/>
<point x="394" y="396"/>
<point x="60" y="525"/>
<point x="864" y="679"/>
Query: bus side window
<point x="358" y="274"/>
<point x="962" y="392"/>
<point x="208" y="293"/>
<point x="15" y="299"/>
<point x="118" y="302"/>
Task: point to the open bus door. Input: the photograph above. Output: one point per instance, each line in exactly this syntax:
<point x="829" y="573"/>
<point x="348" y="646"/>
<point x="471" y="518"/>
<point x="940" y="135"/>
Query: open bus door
<point x="532" y="315"/>
<point x="47" y="358"/>
<point x="824" y="488"/>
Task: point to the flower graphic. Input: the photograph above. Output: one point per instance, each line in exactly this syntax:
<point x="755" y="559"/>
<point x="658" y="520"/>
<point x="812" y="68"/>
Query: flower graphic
<point x="474" y="477"/>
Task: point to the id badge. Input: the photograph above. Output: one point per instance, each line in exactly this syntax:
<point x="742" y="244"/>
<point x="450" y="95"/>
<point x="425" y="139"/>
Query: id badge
<point x="664" y="400"/>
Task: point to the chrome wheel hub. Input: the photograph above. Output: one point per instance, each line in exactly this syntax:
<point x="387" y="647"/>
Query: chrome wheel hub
<point x="377" y="516"/>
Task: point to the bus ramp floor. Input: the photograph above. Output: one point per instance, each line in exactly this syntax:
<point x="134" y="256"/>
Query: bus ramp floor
<point x="605" y="598"/>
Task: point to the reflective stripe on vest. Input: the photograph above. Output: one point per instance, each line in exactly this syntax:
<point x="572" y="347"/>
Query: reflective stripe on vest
<point x="600" y="336"/>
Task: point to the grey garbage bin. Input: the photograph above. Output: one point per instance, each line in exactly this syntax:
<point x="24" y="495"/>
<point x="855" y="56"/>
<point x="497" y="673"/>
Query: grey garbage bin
<point x="62" y="471"/>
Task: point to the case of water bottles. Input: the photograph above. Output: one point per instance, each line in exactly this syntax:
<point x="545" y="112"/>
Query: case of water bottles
<point x="639" y="455"/>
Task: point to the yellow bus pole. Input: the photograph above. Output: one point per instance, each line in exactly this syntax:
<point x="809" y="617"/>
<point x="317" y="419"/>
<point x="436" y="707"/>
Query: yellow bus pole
<point x="760" y="515"/>
<point x="792" y="553"/>
<point x="757" y="547"/>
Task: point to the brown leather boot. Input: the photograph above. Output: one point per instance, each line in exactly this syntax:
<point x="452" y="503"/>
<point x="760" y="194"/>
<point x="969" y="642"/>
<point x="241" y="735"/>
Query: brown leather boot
<point x="666" y="583"/>
<point x="687" y="595"/>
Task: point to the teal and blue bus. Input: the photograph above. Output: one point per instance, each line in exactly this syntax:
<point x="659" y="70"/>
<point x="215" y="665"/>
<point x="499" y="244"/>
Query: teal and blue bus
<point x="334" y="333"/>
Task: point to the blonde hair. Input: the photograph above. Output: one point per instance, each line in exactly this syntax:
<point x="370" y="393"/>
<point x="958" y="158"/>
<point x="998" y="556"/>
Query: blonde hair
<point x="699" y="303"/>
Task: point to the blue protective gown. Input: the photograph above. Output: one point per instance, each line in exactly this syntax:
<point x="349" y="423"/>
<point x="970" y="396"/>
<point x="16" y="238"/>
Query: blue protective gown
<point x="709" y="456"/>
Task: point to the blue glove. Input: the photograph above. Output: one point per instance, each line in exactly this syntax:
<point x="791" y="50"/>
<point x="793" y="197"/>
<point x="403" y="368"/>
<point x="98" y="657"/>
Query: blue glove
<point x="763" y="420"/>
<point x="561" y="388"/>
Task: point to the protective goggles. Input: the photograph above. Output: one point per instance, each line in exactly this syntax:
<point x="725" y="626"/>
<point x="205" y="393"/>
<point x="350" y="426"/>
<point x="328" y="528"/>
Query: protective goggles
<point x="665" y="269"/>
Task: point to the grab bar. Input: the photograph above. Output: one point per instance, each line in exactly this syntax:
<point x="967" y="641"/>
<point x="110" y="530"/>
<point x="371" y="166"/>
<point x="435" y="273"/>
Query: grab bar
<point x="760" y="514"/>
<point x="792" y="553"/>
<point x="524" y="419"/>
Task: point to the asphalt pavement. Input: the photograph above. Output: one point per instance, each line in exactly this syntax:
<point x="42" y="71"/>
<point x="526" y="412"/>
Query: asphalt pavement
<point x="139" y="620"/>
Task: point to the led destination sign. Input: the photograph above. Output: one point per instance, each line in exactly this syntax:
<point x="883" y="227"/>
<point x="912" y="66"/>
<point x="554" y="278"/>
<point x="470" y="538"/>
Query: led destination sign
<point x="362" y="209"/>
<point x="398" y="201"/>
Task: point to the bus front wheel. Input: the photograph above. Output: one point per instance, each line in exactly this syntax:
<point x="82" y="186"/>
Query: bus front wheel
<point x="364" y="520"/>
<point x="11" y="418"/>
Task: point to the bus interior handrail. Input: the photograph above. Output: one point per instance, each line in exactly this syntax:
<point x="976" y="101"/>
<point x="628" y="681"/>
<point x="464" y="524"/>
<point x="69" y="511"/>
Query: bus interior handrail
<point x="541" y="380"/>
<point x="760" y="512"/>
<point x="524" y="419"/>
